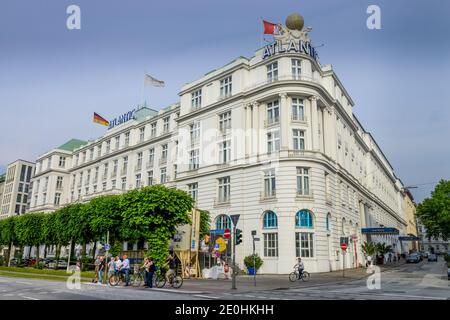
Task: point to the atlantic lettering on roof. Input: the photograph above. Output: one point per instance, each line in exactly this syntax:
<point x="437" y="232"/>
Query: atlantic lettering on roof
<point x="297" y="46"/>
<point x="122" y="119"/>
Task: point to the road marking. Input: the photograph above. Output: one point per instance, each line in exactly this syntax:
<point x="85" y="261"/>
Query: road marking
<point x="23" y="282"/>
<point x="207" y="297"/>
<point x="31" y="298"/>
<point x="250" y="296"/>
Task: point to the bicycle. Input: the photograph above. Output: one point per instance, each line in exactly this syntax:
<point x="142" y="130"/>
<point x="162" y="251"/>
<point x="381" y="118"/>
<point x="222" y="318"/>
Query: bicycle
<point x="116" y="278"/>
<point x="175" y="281"/>
<point x="295" y="275"/>
<point x="137" y="278"/>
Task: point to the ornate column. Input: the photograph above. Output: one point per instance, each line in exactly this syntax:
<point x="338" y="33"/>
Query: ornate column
<point x="314" y="124"/>
<point x="248" y="128"/>
<point x="284" y="119"/>
<point x="255" y="128"/>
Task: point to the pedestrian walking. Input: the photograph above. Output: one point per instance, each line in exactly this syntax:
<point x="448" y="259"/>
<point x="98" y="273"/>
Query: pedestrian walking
<point x="390" y="257"/>
<point x="101" y="268"/>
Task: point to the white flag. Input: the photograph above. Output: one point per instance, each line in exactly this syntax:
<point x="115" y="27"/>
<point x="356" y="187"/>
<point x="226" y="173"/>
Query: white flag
<point x="148" y="79"/>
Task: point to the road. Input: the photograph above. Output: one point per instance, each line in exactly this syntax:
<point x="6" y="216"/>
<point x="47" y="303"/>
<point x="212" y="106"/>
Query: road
<point x="426" y="280"/>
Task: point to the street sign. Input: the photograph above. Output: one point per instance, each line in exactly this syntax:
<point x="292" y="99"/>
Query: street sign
<point x="344" y="246"/>
<point x="344" y="240"/>
<point x="227" y="234"/>
<point x="235" y="219"/>
<point x="255" y="239"/>
<point x="107" y="247"/>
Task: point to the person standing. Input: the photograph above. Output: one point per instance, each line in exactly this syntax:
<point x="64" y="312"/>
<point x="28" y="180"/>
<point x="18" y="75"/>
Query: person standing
<point x="151" y="272"/>
<point x="146" y="267"/>
<point x="101" y="268"/>
<point x="172" y="263"/>
<point x="125" y="269"/>
<point x="112" y="267"/>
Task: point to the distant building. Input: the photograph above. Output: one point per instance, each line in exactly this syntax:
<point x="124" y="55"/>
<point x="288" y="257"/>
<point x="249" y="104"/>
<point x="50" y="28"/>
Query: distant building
<point x="432" y="245"/>
<point x="2" y="186"/>
<point x="16" y="188"/>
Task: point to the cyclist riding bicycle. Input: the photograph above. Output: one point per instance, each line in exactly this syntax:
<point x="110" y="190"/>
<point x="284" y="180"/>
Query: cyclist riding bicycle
<point x="300" y="267"/>
<point x="172" y="263"/>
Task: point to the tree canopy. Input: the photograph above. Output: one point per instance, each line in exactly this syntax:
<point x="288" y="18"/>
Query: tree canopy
<point x="434" y="212"/>
<point x="151" y="214"/>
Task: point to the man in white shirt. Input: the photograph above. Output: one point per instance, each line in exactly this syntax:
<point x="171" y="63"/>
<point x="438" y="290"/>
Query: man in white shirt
<point x="125" y="268"/>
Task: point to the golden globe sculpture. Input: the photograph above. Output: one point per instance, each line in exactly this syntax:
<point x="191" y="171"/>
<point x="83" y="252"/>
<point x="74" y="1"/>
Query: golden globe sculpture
<point x="295" y="22"/>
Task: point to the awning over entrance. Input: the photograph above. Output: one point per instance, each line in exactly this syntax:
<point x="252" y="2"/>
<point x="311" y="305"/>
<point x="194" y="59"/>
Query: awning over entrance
<point x="380" y="231"/>
<point x="408" y="238"/>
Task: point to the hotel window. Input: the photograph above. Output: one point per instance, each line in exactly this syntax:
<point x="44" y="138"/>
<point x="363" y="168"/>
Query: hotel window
<point x="141" y="134"/>
<point x="19" y="198"/>
<point x="224" y="189"/>
<point x="87" y="190"/>
<point x="298" y="109"/>
<point x="327" y="185"/>
<point x="115" y="167"/>
<point x="26" y="188"/>
<point x="124" y="184"/>
<point x="303" y="181"/>
<point x="127" y="139"/>
<point x="223" y="222"/>
<point x="59" y="182"/>
<point x="296" y="68"/>
<point x="108" y="146"/>
<point x="196" y="99"/>
<point x="304" y="245"/>
<point x="304" y="219"/>
<point x="164" y="153"/>
<point x="299" y="139"/>
<point x="166" y="122"/>
<point x="194" y="159"/>
<point x="104" y="186"/>
<point x="270" y="220"/>
<point x="105" y="171"/>
<point x="117" y="143"/>
<point x="79" y="194"/>
<point x="91" y="154"/>
<point x="225" y="121"/>
<point x="46" y="183"/>
<point x="225" y="87"/>
<point x="88" y="178"/>
<point x="225" y="151"/>
<point x="124" y="165"/>
<point x="273" y="112"/>
<point x="194" y="130"/>
<point x="94" y="189"/>
<point x="138" y="180"/>
<point x="271" y="244"/>
<point x="20" y="187"/>
<point x="273" y="141"/>
<point x="272" y="72"/>
<point x="84" y="157"/>
<point x="97" y="169"/>
<point x="17" y="209"/>
<point x="57" y="198"/>
<point x="163" y="175"/>
<point x="153" y="130"/>
<point x="44" y="198"/>
<point x="36" y="199"/>
<point x="77" y="159"/>
<point x="151" y="156"/>
<point x="62" y="162"/>
<point x="193" y="190"/>
<point x="113" y="184"/>
<point x="269" y="183"/>
<point x="328" y="222"/>
<point x="139" y="161"/>
<point x="49" y="161"/>
<point x="99" y="152"/>
<point x="150" y="178"/>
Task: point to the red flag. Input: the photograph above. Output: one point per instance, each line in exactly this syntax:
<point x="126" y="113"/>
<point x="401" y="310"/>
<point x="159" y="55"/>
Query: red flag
<point x="269" y="27"/>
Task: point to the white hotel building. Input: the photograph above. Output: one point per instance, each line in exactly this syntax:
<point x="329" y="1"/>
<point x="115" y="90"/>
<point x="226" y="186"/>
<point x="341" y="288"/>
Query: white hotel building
<point x="272" y="138"/>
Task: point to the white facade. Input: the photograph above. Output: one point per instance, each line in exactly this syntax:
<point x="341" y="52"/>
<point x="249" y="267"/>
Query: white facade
<point x="255" y="136"/>
<point x="16" y="188"/>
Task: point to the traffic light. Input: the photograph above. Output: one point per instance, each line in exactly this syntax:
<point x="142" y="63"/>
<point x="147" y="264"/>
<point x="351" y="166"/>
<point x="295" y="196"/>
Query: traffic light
<point x="238" y="236"/>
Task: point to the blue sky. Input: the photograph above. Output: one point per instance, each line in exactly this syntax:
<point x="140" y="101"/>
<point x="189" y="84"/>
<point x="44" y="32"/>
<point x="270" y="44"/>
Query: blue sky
<point x="52" y="79"/>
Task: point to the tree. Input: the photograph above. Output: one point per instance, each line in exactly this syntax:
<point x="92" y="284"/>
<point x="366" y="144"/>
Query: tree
<point x="153" y="213"/>
<point x="7" y="234"/>
<point x="28" y="230"/>
<point x="49" y="231"/>
<point x="204" y="223"/>
<point x="368" y="248"/>
<point x="434" y="212"/>
<point x="67" y="226"/>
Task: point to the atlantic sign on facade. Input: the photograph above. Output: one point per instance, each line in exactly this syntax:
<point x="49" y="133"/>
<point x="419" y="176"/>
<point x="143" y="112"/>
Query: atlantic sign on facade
<point x="299" y="46"/>
<point x="122" y="119"/>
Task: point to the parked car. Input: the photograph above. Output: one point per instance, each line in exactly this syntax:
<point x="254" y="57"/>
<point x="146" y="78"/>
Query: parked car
<point x="413" y="258"/>
<point x="425" y="254"/>
<point x="432" y="257"/>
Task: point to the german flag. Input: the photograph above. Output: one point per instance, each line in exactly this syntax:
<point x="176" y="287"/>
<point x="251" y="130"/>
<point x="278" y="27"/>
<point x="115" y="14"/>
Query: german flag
<point x="100" y="120"/>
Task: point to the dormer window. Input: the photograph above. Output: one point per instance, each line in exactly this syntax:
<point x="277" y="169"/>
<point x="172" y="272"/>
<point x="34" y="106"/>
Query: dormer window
<point x="196" y="99"/>
<point x="225" y="87"/>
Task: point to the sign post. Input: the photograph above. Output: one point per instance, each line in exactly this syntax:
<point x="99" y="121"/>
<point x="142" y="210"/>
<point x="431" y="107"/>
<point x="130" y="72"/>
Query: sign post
<point x="344" y="250"/>
<point x="234" y="219"/>
<point x="254" y="256"/>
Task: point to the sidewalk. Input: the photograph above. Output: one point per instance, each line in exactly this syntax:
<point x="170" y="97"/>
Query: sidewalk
<point x="277" y="282"/>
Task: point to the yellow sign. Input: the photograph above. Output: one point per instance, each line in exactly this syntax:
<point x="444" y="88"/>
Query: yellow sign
<point x="222" y="244"/>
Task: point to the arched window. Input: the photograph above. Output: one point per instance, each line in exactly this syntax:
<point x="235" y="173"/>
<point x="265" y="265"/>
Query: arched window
<point x="270" y="220"/>
<point x="223" y="222"/>
<point x="304" y="219"/>
<point x="328" y="222"/>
